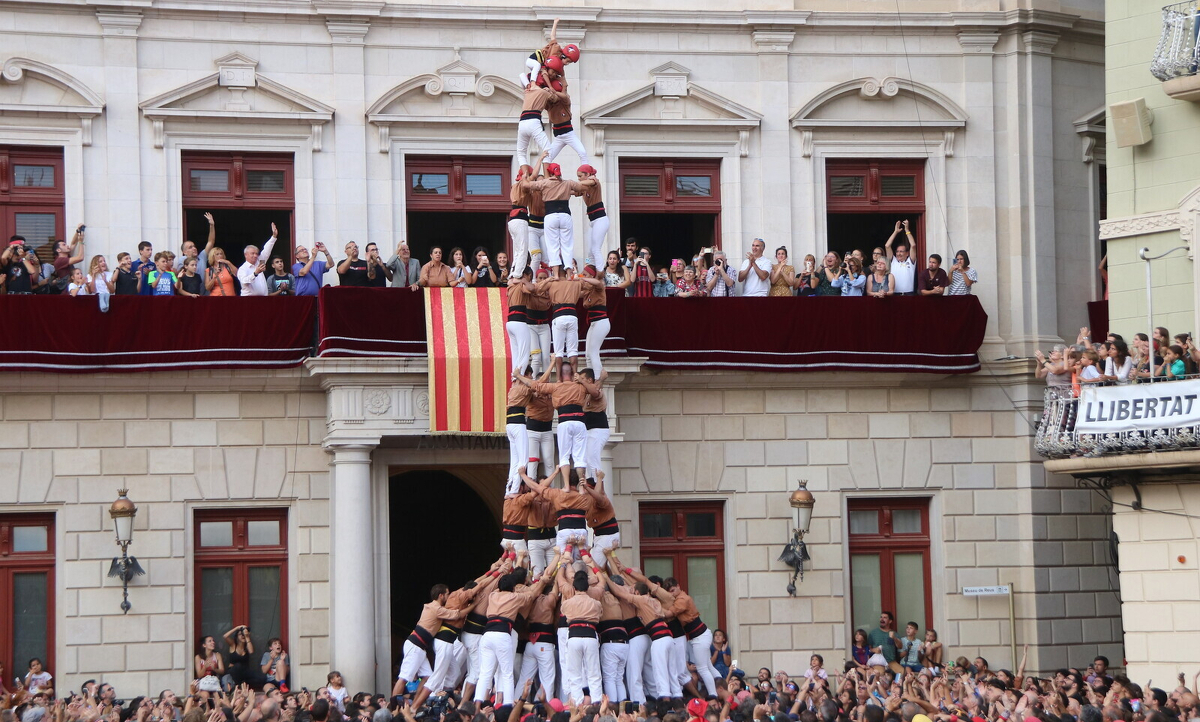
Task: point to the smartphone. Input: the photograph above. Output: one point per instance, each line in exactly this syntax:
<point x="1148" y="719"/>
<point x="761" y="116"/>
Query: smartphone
<point x="734" y="665"/>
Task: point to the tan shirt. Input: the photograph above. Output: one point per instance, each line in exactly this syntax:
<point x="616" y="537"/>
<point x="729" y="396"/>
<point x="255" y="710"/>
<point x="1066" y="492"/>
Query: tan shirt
<point x="537" y="207"/>
<point x="581" y="608"/>
<point x="557" y="189"/>
<point x="519" y="395"/>
<point x="566" y="499"/>
<point x="463" y="598"/>
<point x="591" y="194"/>
<point x="537" y="98"/>
<point x="562" y="393"/>
<point x="540" y="408"/>
<point x="433" y="613"/>
<point x="560" y="109"/>
<point x="647" y="607"/>
<point x="601" y="511"/>
<point x="513" y="512"/>
<point x="540" y="512"/>
<point x="510" y="604"/>
<point x="519" y="194"/>
<point x="562" y="291"/>
<point x="543" y="609"/>
<point x="596" y="403"/>
<point x="441" y="276"/>
<point x="567" y="590"/>
<point x="593" y="295"/>
<point x="537" y="299"/>
<point x="685" y="608"/>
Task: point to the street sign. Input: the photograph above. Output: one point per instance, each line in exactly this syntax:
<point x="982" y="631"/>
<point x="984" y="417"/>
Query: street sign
<point x="985" y="591"/>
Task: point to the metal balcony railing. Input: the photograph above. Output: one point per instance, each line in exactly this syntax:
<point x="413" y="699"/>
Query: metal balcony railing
<point x="1057" y="438"/>
<point x="1176" y="55"/>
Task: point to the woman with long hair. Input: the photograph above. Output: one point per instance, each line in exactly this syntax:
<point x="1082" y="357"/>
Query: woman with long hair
<point x="852" y="281"/>
<point x="822" y="280"/>
<point x="99" y="280"/>
<point x="459" y="268"/>
<point x="616" y="274"/>
<point x="783" y="275"/>
<point x="860" y="648"/>
<point x="803" y="283"/>
<point x="962" y="276"/>
<point x="502" y="269"/>
<point x="484" y="275"/>
<point x="209" y="665"/>
<point x="1117" y="362"/>
<point x="241" y="649"/>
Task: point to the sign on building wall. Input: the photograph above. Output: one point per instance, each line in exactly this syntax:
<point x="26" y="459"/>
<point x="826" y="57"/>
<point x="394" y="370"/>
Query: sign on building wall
<point x="1136" y="407"/>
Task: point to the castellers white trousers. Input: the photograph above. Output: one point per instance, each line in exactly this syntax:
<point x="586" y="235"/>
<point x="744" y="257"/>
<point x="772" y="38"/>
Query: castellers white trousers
<point x="613" y="656"/>
<point x="559" y="243"/>
<point x="527" y="130"/>
<point x="518" y="228"/>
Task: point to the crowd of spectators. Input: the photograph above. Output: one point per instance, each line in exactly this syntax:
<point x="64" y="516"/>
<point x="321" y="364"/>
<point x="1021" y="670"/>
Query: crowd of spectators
<point x="205" y="271"/>
<point x="1114" y="362"/>
<point x="888" y="677"/>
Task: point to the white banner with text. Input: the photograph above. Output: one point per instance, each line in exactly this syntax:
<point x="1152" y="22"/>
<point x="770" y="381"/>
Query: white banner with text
<point x="1138" y="407"/>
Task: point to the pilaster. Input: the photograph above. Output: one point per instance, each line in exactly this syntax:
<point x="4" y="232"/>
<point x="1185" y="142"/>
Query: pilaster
<point x="344" y="207"/>
<point x="976" y="169"/>
<point x="122" y="174"/>
<point x="772" y="44"/>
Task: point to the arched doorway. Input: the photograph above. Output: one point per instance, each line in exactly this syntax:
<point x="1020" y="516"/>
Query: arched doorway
<point x="442" y="531"/>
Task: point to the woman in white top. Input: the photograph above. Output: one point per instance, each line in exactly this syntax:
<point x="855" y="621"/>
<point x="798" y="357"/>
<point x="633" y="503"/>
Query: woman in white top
<point x="99" y="279"/>
<point x="962" y="276"/>
<point x="616" y="275"/>
<point x="78" y="285"/>
<point x="1118" y="363"/>
<point x="461" y="271"/>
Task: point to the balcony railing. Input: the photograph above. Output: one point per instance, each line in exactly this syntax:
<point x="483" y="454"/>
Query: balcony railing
<point x="1176" y="55"/>
<point x="1159" y="417"/>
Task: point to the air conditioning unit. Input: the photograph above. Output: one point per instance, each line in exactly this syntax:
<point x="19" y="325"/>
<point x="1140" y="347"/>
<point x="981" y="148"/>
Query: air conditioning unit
<point x="1131" y="121"/>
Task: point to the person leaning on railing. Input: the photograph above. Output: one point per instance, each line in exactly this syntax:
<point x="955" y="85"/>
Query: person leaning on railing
<point x="1055" y="369"/>
<point x="1118" y="364"/>
<point x="1173" y="366"/>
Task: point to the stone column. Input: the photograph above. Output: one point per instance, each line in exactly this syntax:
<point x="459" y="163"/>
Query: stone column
<point x="352" y="596"/>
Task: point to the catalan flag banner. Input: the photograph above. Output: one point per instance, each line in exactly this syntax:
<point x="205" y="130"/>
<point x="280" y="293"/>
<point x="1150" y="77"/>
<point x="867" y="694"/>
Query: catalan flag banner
<point x="469" y="367"/>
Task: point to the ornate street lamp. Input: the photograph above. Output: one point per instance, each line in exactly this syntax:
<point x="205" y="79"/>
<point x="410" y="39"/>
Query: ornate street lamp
<point x="126" y="567"/>
<point x="796" y="553"/>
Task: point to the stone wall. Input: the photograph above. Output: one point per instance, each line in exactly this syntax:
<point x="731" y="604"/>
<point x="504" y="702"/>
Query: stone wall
<point x="176" y="450"/>
<point x="1160" y="584"/>
<point x="964" y="444"/>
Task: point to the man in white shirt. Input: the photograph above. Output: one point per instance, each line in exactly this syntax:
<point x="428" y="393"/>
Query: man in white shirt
<point x="902" y="267"/>
<point x="250" y="275"/>
<point x="755" y="273"/>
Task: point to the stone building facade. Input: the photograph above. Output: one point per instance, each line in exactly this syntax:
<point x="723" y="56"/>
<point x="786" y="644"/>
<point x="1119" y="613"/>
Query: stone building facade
<point x="982" y="101"/>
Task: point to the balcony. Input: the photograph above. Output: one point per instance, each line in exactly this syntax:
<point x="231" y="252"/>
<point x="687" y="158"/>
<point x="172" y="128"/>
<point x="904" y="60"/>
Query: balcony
<point x="1140" y="427"/>
<point x="904" y="335"/>
<point x="1176" y="61"/>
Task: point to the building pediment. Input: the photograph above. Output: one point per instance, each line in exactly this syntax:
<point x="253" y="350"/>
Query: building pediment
<point x="880" y="104"/>
<point x="237" y="92"/>
<point x="673" y="100"/>
<point x="454" y="93"/>
<point x="32" y="88"/>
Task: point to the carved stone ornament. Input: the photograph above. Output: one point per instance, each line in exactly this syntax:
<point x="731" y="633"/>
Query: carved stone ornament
<point x="422" y="402"/>
<point x="377" y="402"/>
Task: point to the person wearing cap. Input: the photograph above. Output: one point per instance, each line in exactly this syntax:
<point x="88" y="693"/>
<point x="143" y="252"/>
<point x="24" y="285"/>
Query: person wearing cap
<point x="533" y="64"/>
<point x="564" y="132"/>
<point x="537" y="97"/>
<point x="597" y="218"/>
<point x="696" y="709"/>
<point x="556" y="194"/>
<point x="20" y="267"/>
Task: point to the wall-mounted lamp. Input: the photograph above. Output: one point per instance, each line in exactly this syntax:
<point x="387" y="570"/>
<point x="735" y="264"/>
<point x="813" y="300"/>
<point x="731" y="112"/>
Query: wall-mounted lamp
<point x="796" y="553"/>
<point x="126" y="567"/>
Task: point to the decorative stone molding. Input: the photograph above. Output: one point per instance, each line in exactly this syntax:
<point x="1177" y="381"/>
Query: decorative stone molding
<point x="236" y="75"/>
<point x="120" y="24"/>
<point x="773" y="40"/>
<point x="942" y="113"/>
<point x="978" y="42"/>
<point x="347" y="32"/>
<point x="663" y="103"/>
<point x="349" y="8"/>
<point x="1184" y="218"/>
<point x="80" y="101"/>
<point x="1039" y="42"/>
<point x="1091" y="130"/>
<point x="461" y="84"/>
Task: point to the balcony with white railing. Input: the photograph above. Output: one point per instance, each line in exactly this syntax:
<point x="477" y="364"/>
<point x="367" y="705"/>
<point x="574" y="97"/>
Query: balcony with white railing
<point x="1176" y="61"/>
<point x="1134" y="427"/>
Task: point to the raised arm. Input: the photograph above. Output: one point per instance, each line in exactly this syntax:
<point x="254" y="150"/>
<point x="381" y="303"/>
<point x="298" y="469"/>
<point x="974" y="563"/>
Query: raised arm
<point x="212" y="234"/>
<point x="77" y="243"/>
<point x="891" y="239"/>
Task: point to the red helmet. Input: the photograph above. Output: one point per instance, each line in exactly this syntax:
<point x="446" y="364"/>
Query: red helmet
<point x="554" y="169"/>
<point x="554" y="63"/>
<point x="556" y="85"/>
<point x="572" y="52"/>
<point x="587" y="168"/>
<point x="696" y="707"/>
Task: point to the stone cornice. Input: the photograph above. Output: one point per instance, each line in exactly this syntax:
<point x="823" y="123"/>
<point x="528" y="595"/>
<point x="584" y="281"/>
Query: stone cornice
<point x="119" y="23"/>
